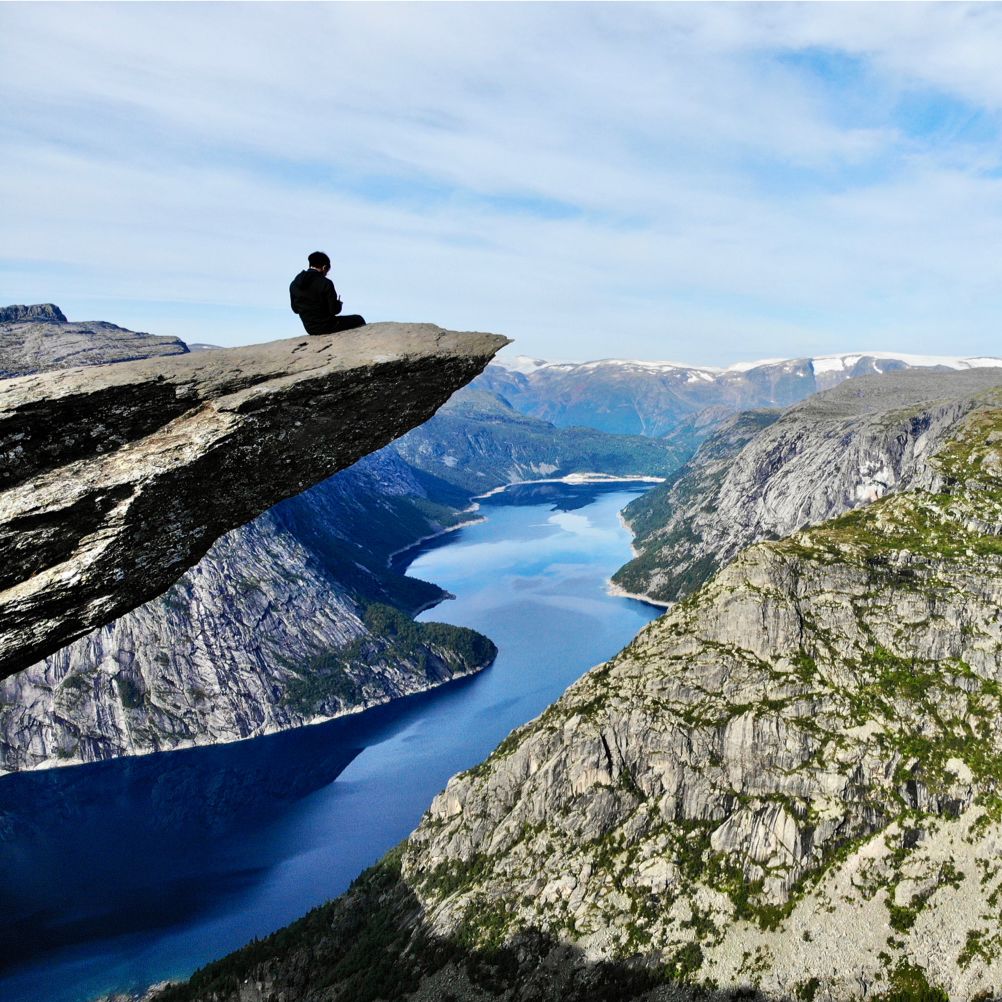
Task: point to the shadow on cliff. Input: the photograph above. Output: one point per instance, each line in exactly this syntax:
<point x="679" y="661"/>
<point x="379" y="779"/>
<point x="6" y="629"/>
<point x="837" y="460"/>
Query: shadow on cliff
<point x="131" y="844"/>
<point x="371" y="944"/>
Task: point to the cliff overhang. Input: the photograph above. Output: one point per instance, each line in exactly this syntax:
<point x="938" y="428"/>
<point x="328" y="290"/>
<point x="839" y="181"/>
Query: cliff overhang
<point x="116" y="479"/>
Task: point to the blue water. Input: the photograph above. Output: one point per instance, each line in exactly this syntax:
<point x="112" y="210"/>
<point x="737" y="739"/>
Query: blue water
<point x="119" y="874"/>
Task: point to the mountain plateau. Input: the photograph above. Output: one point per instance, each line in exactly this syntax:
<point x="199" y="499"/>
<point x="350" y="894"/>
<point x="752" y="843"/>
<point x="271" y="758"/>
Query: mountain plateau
<point x="685" y="401"/>
<point x="39" y="338"/>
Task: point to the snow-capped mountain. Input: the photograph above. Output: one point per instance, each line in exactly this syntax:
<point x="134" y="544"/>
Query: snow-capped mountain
<point x="656" y="398"/>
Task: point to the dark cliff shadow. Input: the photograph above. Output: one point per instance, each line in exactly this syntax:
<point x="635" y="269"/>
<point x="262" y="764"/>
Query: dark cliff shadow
<point x="371" y="944"/>
<point x="117" y="847"/>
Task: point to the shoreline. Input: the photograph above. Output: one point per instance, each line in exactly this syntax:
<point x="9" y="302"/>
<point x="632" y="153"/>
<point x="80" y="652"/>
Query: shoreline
<point x="614" y="589"/>
<point x="263" y="732"/>
<point x="629" y="528"/>
<point x="433" y="535"/>
<point x="575" y="478"/>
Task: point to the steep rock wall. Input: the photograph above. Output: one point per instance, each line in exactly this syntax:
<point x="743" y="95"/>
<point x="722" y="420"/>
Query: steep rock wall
<point x="285" y="621"/>
<point x="786" y="787"/>
<point x="116" y="479"/>
<point x="763" y="476"/>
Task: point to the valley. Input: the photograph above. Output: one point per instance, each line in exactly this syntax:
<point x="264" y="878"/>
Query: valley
<point x="667" y="823"/>
<point x="786" y="785"/>
<point x="122" y="873"/>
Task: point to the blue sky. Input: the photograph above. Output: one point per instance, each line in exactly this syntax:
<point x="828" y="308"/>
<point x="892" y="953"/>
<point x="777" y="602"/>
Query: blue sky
<point x="705" y="183"/>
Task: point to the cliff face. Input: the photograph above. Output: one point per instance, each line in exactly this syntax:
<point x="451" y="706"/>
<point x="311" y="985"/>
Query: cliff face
<point x="788" y="786"/>
<point x="289" y="619"/>
<point x="117" y="479"/>
<point x="792" y="776"/>
<point x="39" y="311"/>
<point x="40" y="338"/>
<point x="763" y="475"/>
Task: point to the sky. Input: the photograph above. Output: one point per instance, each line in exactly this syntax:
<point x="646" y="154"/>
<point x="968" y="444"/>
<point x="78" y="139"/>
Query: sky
<point x="703" y="183"/>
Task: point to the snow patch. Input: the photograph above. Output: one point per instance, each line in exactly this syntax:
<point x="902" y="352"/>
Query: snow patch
<point x="522" y="363"/>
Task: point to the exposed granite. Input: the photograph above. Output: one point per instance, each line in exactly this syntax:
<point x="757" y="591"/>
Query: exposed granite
<point x="116" y="479"/>
<point x="39" y="311"/>
<point x="763" y="475"/>
<point x="40" y="338"/>
<point x="788" y="787"/>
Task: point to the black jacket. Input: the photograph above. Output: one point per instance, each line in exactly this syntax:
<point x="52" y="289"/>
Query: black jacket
<point x="314" y="298"/>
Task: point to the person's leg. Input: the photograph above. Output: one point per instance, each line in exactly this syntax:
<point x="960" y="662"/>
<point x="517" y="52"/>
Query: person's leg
<point x="337" y="324"/>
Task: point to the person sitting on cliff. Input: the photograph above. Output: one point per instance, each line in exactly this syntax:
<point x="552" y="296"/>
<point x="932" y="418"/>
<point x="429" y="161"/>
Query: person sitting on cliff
<point x="314" y="298"/>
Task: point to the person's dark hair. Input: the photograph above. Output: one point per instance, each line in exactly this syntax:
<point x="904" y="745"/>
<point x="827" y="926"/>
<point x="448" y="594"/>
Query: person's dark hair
<point x="318" y="259"/>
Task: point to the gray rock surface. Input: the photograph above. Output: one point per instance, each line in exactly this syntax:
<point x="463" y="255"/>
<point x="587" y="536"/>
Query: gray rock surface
<point x="790" y="782"/>
<point x="789" y="786"/>
<point x="39" y="338"/>
<point x="270" y="630"/>
<point x="763" y="476"/>
<point x="119" y="478"/>
<point x="40" y="311"/>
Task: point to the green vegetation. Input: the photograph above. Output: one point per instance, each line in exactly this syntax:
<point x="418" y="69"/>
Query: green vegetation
<point x="77" y="682"/>
<point x="130" y="692"/>
<point x="908" y="983"/>
<point x="329" y="680"/>
<point x="807" y="990"/>
<point x="684" y="964"/>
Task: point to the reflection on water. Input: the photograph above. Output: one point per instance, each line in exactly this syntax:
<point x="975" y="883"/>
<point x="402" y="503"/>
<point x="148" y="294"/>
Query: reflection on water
<point x="122" y="873"/>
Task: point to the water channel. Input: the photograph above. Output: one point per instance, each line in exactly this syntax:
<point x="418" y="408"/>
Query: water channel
<point x="119" y="874"/>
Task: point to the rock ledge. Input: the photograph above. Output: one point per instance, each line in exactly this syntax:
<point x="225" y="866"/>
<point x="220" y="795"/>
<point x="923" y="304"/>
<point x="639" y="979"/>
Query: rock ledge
<point x="116" y="479"/>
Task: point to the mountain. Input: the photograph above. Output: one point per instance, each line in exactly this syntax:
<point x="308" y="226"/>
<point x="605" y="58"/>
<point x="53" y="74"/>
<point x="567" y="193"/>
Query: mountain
<point x="765" y="474"/>
<point x="290" y="619"/>
<point x="653" y="398"/>
<point x="788" y="787"/>
<point x="40" y="338"/>
<point x="477" y="441"/>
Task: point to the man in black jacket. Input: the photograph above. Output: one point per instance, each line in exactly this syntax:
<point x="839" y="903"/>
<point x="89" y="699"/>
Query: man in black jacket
<point x="314" y="298"/>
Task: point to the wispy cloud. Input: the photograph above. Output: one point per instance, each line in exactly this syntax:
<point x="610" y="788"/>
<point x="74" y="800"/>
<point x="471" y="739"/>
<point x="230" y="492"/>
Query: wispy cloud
<point x="707" y="182"/>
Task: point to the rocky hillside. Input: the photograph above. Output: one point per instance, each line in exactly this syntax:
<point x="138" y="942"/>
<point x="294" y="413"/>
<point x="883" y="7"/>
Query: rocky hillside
<point x="763" y="474"/>
<point x="656" y="398"/>
<point x="290" y="619"/>
<point x="115" y="479"/>
<point x="477" y="442"/>
<point x="39" y="338"/>
<point x="786" y="787"/>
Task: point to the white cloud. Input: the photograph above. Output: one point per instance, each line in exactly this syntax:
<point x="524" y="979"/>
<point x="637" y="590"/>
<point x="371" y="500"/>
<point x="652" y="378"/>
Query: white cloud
<point x="656" y="178"/>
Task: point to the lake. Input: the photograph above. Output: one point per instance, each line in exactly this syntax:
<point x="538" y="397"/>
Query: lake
<point x="120" y="874"/>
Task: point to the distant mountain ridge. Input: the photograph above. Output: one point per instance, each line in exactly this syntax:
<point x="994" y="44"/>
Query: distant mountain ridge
<point x="39" y="338"/>
<point x="653" y="398"/>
